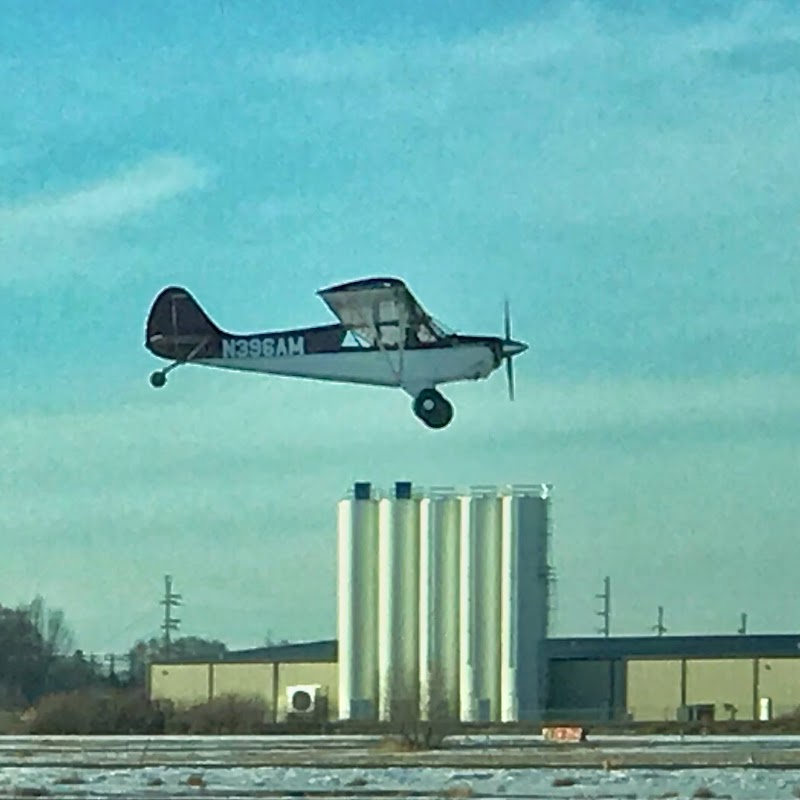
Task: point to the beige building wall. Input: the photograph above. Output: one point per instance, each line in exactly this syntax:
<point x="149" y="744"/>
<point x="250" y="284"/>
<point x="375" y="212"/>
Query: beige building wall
<point x="245" y="680"/>
<point x="779" y="679"/>
<point x="653" y="689"/>
<point x="721" y="682"/>
<point x="183" y="684"/>
<point x="324" y="674"/>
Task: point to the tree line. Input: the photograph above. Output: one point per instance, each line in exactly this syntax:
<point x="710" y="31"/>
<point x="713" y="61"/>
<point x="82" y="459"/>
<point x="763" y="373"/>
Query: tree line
<point x="38" y="657"/>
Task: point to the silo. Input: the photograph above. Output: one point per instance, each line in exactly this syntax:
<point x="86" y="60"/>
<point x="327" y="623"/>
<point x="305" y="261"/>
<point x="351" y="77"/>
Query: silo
<point x="466" y="614"/>
<point x="357" y="618"/>
<point x="440" y="546"/>
<point x="398" y="604"/>
<point x="481" y="568"/>
<point x="525" y="602"/>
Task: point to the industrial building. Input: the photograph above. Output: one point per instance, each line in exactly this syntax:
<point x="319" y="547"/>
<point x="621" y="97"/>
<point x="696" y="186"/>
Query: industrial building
<point x="659" y="678"/>
<point x="299" y="678"/>
<point x="443" y="609"/>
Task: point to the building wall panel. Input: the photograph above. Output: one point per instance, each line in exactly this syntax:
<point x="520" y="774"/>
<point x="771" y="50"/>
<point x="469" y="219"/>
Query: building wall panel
<point x="653" y="689"/>
<point x="183" y="684"/>
<point x="247" y="681"/>
<point x="779" y="680"/>
<point x="723" y="681"/>
<point x="581" y="690"/>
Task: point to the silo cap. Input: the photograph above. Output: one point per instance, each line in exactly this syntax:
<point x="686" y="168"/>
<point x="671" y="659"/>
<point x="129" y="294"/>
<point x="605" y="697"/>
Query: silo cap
<point x="362" y="490"/>
<point x="402" y="490"/>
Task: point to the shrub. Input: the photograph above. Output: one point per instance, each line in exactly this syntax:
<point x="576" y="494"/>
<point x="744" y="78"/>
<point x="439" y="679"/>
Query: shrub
<point x="222" y="715"/>
<point x="97" y="711"/>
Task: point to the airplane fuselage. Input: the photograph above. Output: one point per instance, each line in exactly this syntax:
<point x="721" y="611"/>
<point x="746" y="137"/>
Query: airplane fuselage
<point x="410" y="369"/>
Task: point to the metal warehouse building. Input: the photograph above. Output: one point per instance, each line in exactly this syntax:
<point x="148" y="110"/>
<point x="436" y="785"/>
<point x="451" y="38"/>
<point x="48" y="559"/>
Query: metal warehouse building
<point x="672" y="677"/>
<point x="443" y="607"/>
<point x="588" y="679"/>
<point x="301" y="677"/>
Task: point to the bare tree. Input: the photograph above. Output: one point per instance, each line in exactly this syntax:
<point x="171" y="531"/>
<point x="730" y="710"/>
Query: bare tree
<point x="52" y="627"/>
<point x="418" y="728"/>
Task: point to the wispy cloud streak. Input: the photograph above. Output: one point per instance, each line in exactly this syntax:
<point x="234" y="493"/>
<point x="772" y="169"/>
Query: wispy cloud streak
<point x="128" y="193"/>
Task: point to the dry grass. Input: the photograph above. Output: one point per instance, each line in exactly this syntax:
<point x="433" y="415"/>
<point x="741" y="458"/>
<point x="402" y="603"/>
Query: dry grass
<point x="459" y="790"/>
<point x="12" y="723"/>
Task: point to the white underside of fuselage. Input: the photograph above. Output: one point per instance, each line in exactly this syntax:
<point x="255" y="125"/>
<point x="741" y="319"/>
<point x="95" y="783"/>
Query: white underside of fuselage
<point x="412" y="370"/>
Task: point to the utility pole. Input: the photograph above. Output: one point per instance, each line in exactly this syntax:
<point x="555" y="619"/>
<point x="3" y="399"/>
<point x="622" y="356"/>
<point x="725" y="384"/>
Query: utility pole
<point x="743" y="626"/>
<point x="605" y="612"/>
<point x="170" y="623"/>
<point x="659" y="626"/>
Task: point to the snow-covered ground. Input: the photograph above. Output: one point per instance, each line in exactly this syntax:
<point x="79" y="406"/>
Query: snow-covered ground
<point x="56" y="767"/>
<point x="394" y="782"/>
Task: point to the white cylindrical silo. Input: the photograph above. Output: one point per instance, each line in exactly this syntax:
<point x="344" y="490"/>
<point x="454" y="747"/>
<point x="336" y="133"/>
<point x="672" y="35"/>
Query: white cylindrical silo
<point x="440" y="545"/>
<point x="398" y="604"/>
<point x="526" y="576"/>
<point x="509" y="598"/>
<point x="485" y="522"/>
<point x="357" y="617"/>
<point x="466" y="616"/>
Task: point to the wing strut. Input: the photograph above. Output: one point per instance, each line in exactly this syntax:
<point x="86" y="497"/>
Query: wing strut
<point x="401" y="345"/>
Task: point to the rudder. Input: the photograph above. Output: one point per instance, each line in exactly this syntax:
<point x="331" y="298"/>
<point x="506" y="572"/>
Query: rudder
<point x="178" y="328"/>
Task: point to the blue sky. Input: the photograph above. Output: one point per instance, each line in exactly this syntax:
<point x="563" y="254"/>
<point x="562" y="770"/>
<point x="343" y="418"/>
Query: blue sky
<point x="627" y="175"/>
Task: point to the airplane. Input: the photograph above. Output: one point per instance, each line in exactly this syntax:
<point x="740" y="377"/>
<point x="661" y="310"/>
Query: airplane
<point x="396" y="343"/>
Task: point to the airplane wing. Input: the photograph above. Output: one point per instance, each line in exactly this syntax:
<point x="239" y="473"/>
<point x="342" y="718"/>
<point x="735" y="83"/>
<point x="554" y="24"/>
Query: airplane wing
<point x="382" y="312"/>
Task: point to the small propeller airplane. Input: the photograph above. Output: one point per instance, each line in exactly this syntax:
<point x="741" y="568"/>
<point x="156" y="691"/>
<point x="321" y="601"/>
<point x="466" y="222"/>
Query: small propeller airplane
<point x="396" y="343"/>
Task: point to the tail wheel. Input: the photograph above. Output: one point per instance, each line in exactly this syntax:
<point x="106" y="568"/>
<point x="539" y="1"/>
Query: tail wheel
<point x="433" y="408"/>
<point x="158" y="379"/>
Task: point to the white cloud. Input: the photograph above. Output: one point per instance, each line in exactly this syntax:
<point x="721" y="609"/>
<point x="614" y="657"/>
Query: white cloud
<point x="130" y="192"/>
<point x="61" y="234"/>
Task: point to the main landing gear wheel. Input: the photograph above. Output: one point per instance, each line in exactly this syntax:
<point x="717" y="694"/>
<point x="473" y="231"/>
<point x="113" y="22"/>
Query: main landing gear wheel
<point x="158" y="379"/>
<point x="433" y="409"/>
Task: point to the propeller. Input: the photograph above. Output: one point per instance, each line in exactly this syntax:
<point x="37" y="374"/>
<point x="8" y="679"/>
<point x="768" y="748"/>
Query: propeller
<point x="510" y="349"/>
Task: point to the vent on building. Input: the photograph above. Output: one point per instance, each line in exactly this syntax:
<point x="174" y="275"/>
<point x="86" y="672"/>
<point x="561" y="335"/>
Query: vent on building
<point x="303" y="700"/>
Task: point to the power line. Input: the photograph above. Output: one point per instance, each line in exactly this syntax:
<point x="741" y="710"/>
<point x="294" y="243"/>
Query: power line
<point x="170" y="623"/>
<point x="659" y="626"/>
<point x="605" y="611"/>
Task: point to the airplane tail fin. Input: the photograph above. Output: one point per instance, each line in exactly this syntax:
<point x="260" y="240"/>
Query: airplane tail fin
<point x="179" y="329"/>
